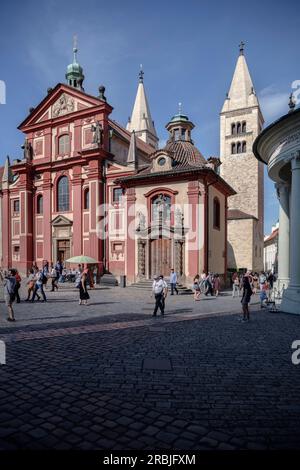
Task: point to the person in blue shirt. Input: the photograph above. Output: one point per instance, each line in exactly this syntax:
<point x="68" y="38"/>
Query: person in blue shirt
<point x="173" y="282"/>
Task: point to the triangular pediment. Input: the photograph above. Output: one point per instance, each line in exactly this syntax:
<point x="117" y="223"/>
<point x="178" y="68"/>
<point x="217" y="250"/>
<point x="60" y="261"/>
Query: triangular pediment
<point x="62" y="100"/>
<point x="61" y="221"/>
<point x="116" y="167"/>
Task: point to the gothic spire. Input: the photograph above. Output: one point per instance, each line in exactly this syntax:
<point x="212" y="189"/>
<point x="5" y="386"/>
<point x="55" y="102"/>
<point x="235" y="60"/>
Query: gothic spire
<point x="7" y="173"/>
<point x="132" y="157"/>
<point x="241" y="93"/>
<point x="141" y="120"/>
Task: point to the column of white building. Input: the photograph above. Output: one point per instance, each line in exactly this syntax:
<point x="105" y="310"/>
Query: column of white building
<point x="291" y="296"/>
<point x="283" y="193"/>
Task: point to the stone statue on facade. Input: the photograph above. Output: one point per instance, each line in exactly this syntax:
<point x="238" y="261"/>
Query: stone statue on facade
<point x="142" y="221"/>
<point x="97" y="130"/>
<point x="161" y="203"/>
<point x="27" y="147"/>
<point x="178" y="218"/>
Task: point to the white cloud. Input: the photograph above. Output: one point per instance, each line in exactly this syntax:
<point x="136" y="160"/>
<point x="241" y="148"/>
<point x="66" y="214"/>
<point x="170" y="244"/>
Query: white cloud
<point x="274" y="103"/>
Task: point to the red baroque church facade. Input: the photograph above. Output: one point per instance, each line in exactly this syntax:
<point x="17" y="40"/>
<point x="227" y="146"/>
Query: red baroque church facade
<point x="86" y="185"/>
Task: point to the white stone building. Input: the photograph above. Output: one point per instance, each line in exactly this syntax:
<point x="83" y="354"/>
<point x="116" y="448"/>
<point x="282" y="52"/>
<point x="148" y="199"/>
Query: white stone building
<point x="271" y="250"/>
<point x="278" y="146"/>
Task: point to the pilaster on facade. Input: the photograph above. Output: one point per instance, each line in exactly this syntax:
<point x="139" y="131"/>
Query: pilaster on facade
<point x="193" y="194"/>
<point x="130" y="234"/>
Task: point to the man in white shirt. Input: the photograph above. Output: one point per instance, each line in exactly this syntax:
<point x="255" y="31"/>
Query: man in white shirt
<point x="159" y="289"/>
<point x="173" y="282"/>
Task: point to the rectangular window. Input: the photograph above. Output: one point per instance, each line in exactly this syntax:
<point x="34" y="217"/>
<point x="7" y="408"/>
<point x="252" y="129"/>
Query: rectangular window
<point x="88" y="136"/>
<point x="117" y="194"/>
<point x="16" y="205"/>
<point x="63" y="144"/>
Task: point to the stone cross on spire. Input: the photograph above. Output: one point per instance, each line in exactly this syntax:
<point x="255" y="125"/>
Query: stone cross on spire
<point x="75" y="48"/>
<point x="242" y="46"/>
<point x="141" y="74"/>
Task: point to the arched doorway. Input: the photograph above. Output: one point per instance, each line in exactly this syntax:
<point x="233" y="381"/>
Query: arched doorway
<point x="161" y="244"/>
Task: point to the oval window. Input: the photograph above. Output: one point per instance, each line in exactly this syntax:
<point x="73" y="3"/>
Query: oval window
<point x="162" y="161"/>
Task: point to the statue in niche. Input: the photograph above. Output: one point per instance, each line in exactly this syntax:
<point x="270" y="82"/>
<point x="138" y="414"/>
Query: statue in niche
<point x="142" y="221"/>
<point x="97" y="130"/>
<point x="178" y="217"/>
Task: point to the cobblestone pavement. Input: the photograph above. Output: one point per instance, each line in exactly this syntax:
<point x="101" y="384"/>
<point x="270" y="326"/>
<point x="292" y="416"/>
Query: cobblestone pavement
<point x="108" y="376"/>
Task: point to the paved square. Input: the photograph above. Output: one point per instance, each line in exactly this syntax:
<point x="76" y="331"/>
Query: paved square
<point x="74" y="376"/>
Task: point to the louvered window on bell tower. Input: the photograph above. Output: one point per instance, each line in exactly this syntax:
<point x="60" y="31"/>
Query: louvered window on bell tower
<point x="244" y="147"/>
<point x="233" y="129"/>
<point x="238" y="147"/>
<point x="244" y="128"/>
<point x="233" y="148"/>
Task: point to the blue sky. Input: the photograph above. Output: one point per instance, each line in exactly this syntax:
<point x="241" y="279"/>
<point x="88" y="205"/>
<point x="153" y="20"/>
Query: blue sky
<point x="188" y="51"/>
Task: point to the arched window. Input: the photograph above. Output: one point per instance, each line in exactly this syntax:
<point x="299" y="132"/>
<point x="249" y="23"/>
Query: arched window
<point x="238" y="147"/>
<point x="244" y="128"/>
<point x="161" y="209"/>
<point x="86" y="199"/>
<point x="63" y="144"/>
<point x="216" y="215"/>
<point x="63" y="194"/>
<point x="233" y="129"/>
<point x="176" y="134"/>
<point x="233" y="148"/>
<point x="238" y="128"/>
<point x="244" y="147"/>
<point x="39" y="204"/>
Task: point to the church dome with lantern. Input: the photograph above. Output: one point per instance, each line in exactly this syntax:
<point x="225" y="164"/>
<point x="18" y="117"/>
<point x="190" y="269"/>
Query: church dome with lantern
<point x="180" y="143"/>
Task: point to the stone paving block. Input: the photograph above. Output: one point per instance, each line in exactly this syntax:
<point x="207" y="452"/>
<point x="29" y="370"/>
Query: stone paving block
<point x="151" y="430"/>
<point x="199" y="430"/>
<point x="38" y="433"/>
<point x="104" y="444"/>
<point x="166" y="437"/>
<point x="209" y="442"/>
<point x="161" y="364"/>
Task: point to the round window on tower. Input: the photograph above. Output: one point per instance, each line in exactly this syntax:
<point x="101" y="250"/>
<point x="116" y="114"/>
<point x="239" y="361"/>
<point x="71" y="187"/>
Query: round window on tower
<point x="161" y="161"/>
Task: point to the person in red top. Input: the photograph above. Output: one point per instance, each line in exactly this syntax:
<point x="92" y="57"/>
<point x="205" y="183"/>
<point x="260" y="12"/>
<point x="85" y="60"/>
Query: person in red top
<point x="18" y="285"/>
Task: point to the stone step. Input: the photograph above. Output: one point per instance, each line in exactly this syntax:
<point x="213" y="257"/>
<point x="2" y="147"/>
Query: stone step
<point x="147" y="284"/>
<point x="108" y="280"/>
